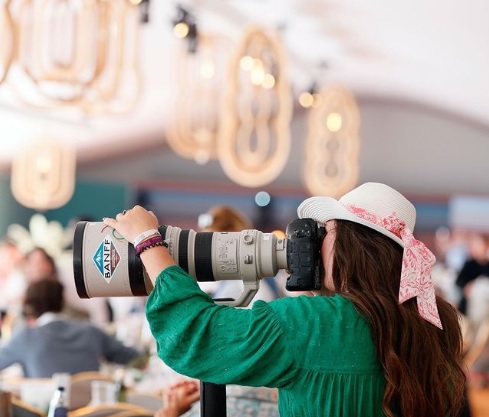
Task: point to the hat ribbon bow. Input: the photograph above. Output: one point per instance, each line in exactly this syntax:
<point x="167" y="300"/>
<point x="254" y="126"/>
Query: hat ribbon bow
<point x="416" y="280"/>
<point x="417" y="263"/>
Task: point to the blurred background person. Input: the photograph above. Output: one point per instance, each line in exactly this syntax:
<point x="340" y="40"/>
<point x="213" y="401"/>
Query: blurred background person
<point x="473" y="275"/>
<point x="11" y="286"/>
<point x="51" y="343"/>
<point x="223" y="218"/>
<point x="450" y="253"/>
<point x="11" y="280"/>
<point x="38" y="264"/>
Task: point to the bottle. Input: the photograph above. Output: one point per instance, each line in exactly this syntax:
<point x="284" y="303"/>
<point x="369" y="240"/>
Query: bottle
<point x="122" y="394"/>
<point x="58" y="406"/>
<point x="121" y="386"/>
<point x="63" y="379"/>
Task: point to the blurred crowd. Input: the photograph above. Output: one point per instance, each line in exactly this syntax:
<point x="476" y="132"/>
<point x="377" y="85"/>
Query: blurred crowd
<point x="462" y="277"/>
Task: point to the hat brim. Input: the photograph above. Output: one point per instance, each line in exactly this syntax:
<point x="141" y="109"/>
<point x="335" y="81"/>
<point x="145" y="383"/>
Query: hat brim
<point x="323" y="209"/>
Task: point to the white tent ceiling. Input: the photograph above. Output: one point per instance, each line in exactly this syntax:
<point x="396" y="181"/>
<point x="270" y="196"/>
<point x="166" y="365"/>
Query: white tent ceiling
<point x="433" y="53"/>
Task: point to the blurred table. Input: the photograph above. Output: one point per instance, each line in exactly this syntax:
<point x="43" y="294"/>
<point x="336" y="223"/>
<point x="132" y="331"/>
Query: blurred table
<point x="36" y="392"/>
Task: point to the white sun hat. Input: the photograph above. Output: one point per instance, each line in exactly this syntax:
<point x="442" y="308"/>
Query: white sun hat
<point x="369" y="204"/>
<point x="387" y="211"/>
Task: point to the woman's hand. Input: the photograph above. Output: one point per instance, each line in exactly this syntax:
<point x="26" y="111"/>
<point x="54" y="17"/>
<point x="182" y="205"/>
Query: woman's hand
<point x="131" y="223"/>
<point x="178" y="398"/>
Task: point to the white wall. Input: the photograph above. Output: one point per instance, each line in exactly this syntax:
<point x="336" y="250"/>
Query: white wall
<point x="415" y="149"/>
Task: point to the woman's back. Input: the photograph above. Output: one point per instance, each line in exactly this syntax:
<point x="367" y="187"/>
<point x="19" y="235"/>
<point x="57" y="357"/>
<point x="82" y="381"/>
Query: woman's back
<point x="317" y="350"/>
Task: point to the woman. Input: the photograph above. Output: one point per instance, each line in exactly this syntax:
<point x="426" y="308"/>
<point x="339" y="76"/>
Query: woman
<point x="38" y="265"/>
<point x="374" y="341"/>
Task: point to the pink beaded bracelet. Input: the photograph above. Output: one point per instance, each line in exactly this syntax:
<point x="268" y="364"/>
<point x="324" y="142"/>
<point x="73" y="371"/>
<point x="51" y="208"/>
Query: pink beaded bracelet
<point x="152" y="242"/>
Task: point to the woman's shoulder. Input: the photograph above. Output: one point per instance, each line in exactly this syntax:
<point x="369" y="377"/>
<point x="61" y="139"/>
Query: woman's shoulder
<point x="297" y="308"/>
<point x="334" y="301"/>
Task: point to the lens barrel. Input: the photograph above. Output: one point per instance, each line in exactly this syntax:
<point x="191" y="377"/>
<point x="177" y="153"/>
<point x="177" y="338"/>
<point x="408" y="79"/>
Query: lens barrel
<point x="106" y="265"/>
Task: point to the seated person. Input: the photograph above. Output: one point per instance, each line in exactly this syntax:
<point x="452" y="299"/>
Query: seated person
<point x="51" y="343"/>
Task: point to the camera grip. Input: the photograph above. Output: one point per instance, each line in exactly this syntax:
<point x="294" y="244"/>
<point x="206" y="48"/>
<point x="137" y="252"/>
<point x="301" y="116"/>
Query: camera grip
<point x="304" y="263"/>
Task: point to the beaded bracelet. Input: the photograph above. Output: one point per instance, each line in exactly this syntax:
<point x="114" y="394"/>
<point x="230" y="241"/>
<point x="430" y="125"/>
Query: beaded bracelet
<point x="138" y="239"/>
<point x="150" y="243"/>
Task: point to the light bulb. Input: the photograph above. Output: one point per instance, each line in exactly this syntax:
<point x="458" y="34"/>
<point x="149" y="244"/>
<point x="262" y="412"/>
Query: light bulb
<point x="246" y="63"/>
<point x="181" y="30"/>
<point x="334" y="122"/>
<point x="268" y="81"/>
<point x="207" y="69"/>
<point x="306" y="100"/>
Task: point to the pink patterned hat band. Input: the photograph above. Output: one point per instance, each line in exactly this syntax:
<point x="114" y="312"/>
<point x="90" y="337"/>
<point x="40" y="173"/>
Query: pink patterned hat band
<point x="417" y="263"/>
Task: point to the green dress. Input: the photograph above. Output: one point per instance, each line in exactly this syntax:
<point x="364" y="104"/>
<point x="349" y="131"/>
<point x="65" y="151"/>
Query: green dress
<point x="317" y="350"/>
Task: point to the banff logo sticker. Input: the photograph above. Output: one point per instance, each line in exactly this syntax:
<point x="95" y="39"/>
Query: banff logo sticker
<point x="107" y="258"/>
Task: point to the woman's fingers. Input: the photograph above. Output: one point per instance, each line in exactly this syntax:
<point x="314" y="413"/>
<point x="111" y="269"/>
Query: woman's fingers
<point x="132" y="222"/>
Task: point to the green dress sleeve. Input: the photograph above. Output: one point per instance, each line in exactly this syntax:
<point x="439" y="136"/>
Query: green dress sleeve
<point x="216" y="343"/>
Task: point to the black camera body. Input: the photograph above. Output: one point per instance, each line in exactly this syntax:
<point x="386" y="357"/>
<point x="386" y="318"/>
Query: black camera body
<point x="304" y="262"/>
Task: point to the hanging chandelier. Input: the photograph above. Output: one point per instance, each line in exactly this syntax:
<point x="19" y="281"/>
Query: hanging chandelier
<point x="43" y="174"/>
<point x="254" y="135"/>
<point x="332" y="144"/>
<point x="71" y="54"/>
<point x="199" y="75"/>
<point x="246" y="124"/>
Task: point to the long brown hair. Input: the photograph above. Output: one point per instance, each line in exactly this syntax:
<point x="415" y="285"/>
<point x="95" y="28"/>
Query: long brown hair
<point x="422" y="364"/>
